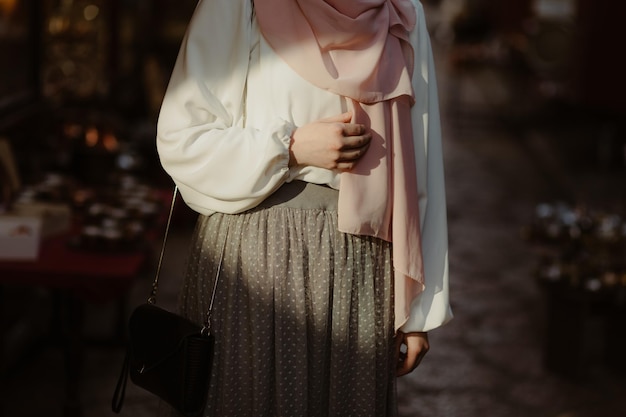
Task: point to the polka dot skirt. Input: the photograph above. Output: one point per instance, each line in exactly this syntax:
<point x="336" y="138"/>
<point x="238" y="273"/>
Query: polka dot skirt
<point x="303" y="315"/>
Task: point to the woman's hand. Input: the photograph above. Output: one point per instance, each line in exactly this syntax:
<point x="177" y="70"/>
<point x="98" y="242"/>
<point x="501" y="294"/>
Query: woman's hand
<point x="331" y="143"/>
<point x="410" y="349"/>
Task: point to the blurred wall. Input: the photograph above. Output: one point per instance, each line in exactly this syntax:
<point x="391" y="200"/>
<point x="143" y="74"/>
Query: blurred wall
<point x="593" y="35"/>
<point x="600" y="81"/>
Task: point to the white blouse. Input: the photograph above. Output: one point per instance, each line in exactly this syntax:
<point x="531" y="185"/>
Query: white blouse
<point x="231" y="105"/>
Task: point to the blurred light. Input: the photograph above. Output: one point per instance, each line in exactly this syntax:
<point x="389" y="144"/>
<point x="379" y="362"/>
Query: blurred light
<point x="557" y="9"/>
<point x="91" y="136"/>
<point x="7" y="7"/>
<point x="72" y="130"/>
<point x="127" y="161"/>
<point x="58" y="24"/>
<point x="110" y="142"/>
<point x="91" y="12"/>
<point x="68" y="67"/>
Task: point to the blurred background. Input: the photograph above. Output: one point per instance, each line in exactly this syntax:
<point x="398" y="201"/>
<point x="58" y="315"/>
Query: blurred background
<point x="533" y="102"/>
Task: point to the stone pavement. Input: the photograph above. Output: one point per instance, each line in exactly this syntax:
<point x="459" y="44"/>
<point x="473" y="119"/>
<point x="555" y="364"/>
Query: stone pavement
<point x="488" y="362"/>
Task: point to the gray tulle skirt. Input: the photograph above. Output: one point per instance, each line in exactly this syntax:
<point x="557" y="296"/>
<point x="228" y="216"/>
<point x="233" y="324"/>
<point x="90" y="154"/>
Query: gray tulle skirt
<point x="303" y="314"/>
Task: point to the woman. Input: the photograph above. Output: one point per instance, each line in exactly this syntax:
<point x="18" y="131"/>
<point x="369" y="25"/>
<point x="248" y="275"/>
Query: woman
<point x="306" y="134"/>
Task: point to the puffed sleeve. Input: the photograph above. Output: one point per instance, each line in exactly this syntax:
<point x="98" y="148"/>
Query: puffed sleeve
<point x="431" y="308"/>
<point x="218" y="162"/>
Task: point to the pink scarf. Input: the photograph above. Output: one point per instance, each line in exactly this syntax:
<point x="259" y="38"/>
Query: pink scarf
<point x="360" y="49"/>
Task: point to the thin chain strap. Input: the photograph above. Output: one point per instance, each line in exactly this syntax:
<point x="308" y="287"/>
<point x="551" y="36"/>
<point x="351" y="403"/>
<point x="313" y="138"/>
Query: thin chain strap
<point x="206" y="328"/>
<point x="155" y="283"/>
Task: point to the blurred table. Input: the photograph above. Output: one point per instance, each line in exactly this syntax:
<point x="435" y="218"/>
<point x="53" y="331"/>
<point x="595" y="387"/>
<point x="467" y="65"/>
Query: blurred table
<point x="78" y="276"/>
<point x="95" y="276"/>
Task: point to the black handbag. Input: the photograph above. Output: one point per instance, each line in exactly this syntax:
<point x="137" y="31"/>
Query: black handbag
<point x="167" y="354"/>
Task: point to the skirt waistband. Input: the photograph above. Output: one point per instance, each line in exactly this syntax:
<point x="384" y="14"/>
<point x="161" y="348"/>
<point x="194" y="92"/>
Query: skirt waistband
<point x="303" y="195"/>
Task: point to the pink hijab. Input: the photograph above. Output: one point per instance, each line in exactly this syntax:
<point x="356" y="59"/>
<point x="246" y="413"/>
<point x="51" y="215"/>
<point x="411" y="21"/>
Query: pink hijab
<point x="360" y="49"/>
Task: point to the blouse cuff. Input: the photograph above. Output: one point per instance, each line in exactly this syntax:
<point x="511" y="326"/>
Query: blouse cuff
<point x="283" y="136"/>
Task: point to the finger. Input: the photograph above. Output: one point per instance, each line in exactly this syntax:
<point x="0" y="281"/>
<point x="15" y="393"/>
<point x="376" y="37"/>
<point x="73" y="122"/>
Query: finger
<point x="349" y="156"/>
<point x="400" y="354"/>
<point x="419" y="345"/>
<point x="345" y="166"/>
<point x="406" y="367"/>
<point x="352" y="154"/>
<point x="402" y="369"/>
<point x="356" y="142"/>
<point x="415" y="354"/>
<point x="339" y="118"/>
<point x="353" y="129"/>
<point x="406" y="363"/>
<point x="416" y="348"/>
